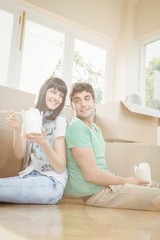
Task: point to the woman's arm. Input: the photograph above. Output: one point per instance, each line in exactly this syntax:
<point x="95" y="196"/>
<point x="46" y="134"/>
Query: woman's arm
<point x="57" y="156"/>
<point x="19" y="142"/>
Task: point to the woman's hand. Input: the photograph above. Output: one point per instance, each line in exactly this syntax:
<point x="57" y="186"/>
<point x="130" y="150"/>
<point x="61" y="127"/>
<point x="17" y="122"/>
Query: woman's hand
<point x="39" y="139"/>
<point x="13" y="121"/>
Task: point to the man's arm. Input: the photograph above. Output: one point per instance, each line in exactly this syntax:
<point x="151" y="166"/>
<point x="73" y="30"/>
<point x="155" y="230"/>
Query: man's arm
<point x="86" y="160"/>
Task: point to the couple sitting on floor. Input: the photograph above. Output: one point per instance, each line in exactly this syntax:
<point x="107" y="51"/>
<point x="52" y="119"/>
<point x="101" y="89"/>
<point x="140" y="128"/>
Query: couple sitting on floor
<point x="45" y="176"/>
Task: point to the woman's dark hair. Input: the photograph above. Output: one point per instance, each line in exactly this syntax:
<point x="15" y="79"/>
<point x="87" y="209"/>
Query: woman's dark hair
<point x="56" y="83"/>
<point x="80" y="87"/>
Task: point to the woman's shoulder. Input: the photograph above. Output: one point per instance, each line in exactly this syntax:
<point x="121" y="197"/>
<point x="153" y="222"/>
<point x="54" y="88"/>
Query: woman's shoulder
<point x="61" y="119"/>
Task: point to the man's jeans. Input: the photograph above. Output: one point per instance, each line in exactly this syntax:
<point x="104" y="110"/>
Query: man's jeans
<point x="33" y="188"/>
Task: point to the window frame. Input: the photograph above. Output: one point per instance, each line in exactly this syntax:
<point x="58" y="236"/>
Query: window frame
<point x="150" y="39"/>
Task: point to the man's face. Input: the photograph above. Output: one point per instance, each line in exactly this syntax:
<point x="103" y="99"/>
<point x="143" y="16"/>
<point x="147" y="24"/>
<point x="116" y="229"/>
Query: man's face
<point x="84" y="105"/>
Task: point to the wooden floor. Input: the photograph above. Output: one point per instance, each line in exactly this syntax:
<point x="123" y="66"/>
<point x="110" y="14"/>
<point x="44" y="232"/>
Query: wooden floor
<point x="74" y="221"/>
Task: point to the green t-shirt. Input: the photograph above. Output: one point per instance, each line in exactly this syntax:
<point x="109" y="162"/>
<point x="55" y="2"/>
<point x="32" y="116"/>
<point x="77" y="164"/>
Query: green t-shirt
<point x="78" y="134"/>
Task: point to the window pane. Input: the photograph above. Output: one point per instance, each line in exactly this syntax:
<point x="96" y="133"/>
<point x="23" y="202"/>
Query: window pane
<point x="42" y="56"/>
<point x="153" y="75"/>
<point x="89" y="66"/>
<point x="6" y="22"/>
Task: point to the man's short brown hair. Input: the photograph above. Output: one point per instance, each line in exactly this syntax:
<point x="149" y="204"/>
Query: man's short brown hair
<point x="80" y="87"/>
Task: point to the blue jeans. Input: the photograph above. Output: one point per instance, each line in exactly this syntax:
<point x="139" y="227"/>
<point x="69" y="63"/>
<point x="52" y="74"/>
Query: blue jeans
<point x="33" y="188"/>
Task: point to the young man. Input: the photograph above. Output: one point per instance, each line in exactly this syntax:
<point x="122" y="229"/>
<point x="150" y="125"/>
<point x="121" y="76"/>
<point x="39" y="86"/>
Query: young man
<point x="89" y="176"/>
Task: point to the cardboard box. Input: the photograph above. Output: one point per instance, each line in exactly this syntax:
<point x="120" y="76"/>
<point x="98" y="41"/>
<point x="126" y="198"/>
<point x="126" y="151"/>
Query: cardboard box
<point x="68" y="113"/>
<point x="123" y="121"/>
<point x="14" y="99"/>
<point x="122" y="156"/>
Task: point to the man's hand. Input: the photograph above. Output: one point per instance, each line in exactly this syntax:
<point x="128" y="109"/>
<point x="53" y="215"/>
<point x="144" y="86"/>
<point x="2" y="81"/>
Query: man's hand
<point x="136" y="181"/>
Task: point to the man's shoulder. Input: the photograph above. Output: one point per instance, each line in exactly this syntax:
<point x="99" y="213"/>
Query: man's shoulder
<point x="76" y="125"/>
<point x="75" y="122"/>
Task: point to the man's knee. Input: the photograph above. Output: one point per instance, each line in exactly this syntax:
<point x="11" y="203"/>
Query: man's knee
<point x="156" y="203"/>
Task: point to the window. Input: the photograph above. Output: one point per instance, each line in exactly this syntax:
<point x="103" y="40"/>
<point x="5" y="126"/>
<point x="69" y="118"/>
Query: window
<point x="42" y="56"/>
<point x="35" y="46"/>
<point x="9" y="32"/>
<point x="152" y="74"/>
<point x="89" y="65"/>
<point x="5" y="45"/>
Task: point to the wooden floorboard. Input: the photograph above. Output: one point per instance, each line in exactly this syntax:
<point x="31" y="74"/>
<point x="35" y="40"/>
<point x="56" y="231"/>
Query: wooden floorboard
<point x="71" y="220"/>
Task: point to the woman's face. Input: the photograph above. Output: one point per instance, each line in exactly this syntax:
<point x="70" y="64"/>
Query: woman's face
<point x="53" y="98"/>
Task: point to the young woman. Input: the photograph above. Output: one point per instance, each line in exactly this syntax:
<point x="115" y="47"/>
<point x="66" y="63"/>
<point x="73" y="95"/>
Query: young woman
<point x="44" y="176"/>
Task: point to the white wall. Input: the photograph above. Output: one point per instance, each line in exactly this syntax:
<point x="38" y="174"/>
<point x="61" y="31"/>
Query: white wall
<point x="102" y="16"/>
<point x="127" y="63"/>
<point x="141" y="19"/>
<point x="148" y="17"/>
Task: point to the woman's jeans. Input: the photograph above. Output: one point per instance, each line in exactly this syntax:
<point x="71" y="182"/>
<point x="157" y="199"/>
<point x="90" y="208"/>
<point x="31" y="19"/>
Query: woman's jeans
<point x="33" y="188"/>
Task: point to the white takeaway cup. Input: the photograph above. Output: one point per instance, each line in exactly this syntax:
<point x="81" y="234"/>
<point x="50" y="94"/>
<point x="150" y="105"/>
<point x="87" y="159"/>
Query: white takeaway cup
<point x="143" y="171"/>
<point x="32" y="121"/>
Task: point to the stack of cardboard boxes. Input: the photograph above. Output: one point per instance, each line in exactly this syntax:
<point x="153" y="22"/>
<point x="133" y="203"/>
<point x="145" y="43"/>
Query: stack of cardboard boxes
<point x="130" y="132"/>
